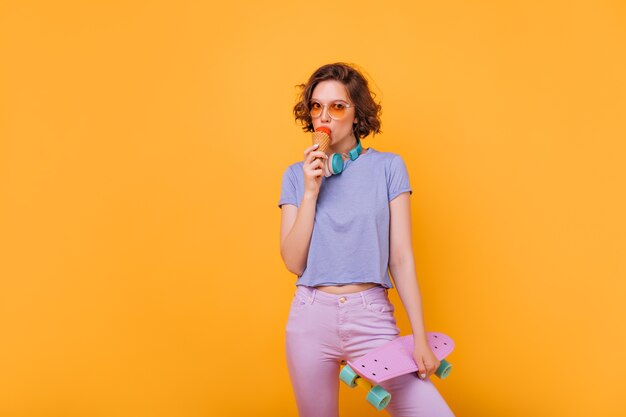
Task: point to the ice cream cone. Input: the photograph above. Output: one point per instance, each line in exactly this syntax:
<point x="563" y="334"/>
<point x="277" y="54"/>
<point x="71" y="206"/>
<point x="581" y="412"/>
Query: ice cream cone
<point x="322" y="136"/>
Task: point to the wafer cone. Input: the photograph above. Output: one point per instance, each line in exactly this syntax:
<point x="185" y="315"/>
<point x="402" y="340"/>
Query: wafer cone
<point x="322" y="136"/>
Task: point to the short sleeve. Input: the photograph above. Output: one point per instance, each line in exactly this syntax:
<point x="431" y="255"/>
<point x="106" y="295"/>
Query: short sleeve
<point x="288" y="189"/>
<point x="398" y="179"/>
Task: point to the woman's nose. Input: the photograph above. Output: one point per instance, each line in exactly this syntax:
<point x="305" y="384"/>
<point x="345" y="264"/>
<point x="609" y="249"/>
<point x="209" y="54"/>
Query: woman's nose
<point x="325" y="117"/>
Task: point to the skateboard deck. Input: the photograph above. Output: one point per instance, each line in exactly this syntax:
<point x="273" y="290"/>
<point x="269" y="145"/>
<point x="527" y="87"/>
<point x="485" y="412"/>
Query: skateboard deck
<point x="390" y="360"/>
<point x="396" y="357"/>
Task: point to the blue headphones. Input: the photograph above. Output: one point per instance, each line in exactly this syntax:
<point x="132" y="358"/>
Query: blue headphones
<point x="336" y="161"/>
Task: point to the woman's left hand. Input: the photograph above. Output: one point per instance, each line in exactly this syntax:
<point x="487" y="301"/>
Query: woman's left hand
<point x="426" y="360"/>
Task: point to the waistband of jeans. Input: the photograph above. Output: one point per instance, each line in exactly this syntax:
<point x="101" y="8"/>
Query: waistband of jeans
<point x="312" y="294"/>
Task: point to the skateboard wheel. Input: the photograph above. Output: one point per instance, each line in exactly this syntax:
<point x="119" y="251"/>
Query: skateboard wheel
<point x="378" y="397"/>
<point x="444" y="369"/>
<point x="348" y="376"/>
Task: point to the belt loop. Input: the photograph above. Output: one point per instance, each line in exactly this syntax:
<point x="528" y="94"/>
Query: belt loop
<point x="363" y="297"/>
<point x="313" y="295"/>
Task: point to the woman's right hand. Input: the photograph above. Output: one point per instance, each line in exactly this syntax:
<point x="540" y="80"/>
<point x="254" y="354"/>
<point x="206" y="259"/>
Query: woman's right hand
<point x="313" y="170"/>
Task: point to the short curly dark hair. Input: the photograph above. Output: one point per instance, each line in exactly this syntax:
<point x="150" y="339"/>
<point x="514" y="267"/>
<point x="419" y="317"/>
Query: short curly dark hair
<point x="367" y="110"/>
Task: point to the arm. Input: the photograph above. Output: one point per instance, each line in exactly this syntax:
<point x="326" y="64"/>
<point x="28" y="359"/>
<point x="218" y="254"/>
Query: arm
<point x="296" y="227"/>
<point x="402" y="268"/>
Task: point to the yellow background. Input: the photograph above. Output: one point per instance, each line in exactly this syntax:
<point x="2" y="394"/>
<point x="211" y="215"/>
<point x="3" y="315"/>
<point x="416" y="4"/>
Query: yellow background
<point x="141" y="151"/>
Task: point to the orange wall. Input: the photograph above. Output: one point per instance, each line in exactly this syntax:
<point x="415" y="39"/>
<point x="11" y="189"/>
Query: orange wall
<point x="141" y="152"/>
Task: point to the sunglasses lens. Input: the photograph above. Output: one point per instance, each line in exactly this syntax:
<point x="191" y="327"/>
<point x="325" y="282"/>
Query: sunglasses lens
<point x="337" y="110"/>
<point x="316" y="109"/>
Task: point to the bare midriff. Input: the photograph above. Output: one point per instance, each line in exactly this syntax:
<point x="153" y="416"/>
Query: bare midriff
<point x="345" y="289"/>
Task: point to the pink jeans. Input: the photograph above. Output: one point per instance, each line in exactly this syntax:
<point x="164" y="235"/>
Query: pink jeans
<point x="325" y="329"/>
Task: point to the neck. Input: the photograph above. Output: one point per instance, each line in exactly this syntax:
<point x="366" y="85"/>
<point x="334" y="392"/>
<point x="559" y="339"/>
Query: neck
<point x="345" y="148"/>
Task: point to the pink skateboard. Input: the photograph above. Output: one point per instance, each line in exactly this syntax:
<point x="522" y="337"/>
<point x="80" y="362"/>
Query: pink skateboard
<point x="391" y="360"/>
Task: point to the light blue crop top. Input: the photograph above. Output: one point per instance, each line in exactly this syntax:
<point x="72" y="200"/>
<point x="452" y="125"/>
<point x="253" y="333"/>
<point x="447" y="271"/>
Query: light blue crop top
<point x="350" y="239"/>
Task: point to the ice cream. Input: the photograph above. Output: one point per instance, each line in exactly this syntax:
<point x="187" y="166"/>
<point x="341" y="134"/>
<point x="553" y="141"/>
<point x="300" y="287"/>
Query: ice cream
<point x="322" y="136"/>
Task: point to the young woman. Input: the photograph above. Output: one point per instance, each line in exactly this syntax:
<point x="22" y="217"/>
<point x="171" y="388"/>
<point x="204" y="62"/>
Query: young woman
<point x="340" y="234"/>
